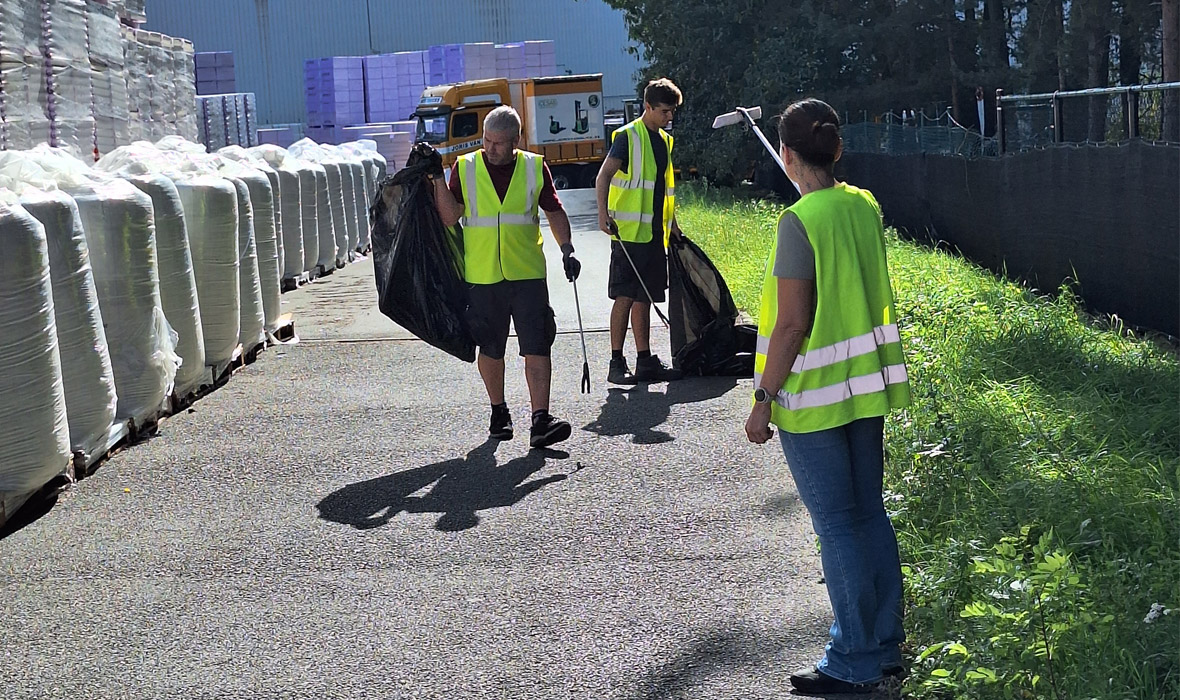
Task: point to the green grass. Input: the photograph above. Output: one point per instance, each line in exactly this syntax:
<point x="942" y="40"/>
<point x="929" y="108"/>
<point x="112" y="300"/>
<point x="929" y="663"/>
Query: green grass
<point x="1033" y="483"/>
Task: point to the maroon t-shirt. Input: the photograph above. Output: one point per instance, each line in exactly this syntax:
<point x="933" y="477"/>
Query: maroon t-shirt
<point x="502" y="177"/>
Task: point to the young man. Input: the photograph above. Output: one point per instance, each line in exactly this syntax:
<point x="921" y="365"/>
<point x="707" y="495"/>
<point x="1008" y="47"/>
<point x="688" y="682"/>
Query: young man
<point x="497" y="192"/>
<point x="636" y="198"/>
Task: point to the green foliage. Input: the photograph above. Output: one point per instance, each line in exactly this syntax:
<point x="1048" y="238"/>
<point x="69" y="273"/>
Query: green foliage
<point x="867" y="57"/>
<point x="1033" y="483"/>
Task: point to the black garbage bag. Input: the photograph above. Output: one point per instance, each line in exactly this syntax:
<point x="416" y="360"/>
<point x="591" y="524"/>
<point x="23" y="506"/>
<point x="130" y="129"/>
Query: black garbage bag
<point x="418" y="261"/>
<point x="706" y="339"/>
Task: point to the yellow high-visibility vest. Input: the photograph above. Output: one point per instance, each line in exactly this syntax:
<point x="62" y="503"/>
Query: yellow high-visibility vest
<point x="851" y="364"/>
<point x="502" y="240"/>
<point x="631" y="199"/>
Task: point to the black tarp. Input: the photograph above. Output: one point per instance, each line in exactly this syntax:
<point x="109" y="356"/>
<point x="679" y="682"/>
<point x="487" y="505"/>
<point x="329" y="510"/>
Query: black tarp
<point x="1106" y="218"/>
<point x="706" y="340"/>
<point x="418" y="261"/>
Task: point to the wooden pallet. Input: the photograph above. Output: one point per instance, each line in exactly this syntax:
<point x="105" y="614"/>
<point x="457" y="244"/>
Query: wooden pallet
<point x="284" y="331"/>
<point x="117" y="437"/>
<point x="292" y="283"/>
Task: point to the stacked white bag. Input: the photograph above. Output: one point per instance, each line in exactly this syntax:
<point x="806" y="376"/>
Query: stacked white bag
<point x="265" y="246"/>
<point x="87" y="376"/>
<point x="146" y="167"/>
<point x="375" y="167"/>
<point x="330" y="204"/>
<point x="292" y="205"/>
<point x="121" y="236"/>
<point x="34" y="436"/>
<point x="241" y="155"/>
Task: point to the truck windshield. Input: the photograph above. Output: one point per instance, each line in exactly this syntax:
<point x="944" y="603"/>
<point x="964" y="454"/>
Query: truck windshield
<point x="433" y="129"/>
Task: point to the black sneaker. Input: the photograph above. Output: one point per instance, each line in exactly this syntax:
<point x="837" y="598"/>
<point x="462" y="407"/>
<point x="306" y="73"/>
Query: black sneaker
<point x="547" y="431"/>
<point x="652" y="369"/>
<point x="812" y="681"/>
<point x="619" y="372"/>
<point x="501" y="426"/>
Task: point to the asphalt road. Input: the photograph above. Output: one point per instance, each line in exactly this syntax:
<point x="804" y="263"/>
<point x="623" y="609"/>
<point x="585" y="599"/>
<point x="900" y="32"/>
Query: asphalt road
<point x="334" y="524"/>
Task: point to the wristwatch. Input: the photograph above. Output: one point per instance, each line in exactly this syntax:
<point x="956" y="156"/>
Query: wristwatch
<point x="762" y="396"/>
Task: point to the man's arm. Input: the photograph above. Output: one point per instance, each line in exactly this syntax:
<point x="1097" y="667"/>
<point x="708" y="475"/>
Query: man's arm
<point x="448" y="207"/>
<point x="559" y="225"/>
<point x="610" y="166"/>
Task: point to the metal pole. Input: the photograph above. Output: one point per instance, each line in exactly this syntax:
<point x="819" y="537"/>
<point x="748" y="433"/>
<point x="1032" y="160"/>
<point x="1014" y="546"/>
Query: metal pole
<point x="1057" y="136"/>
<point x="1000" y="120"/>
<point x="1132" y="114"/>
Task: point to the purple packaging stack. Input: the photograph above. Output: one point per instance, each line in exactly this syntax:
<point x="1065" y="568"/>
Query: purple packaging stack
<point x="215" y="73"/>
<point x="335" y="91"/>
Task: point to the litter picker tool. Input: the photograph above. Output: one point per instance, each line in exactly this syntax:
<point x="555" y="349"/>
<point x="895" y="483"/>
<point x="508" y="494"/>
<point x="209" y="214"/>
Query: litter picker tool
<point x="581" y="332"/>
<point x="749" y="116"/>
<point x="614" y="232"/>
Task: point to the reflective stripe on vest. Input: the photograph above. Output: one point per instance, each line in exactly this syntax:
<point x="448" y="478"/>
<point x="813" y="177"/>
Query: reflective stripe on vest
<point x="851" y="363"/>
<point x="502" y="240"/>
<point x="631" y="199"/>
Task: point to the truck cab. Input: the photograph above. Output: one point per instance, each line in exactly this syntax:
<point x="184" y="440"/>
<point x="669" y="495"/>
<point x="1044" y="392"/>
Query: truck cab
<point x="562" y="119"/>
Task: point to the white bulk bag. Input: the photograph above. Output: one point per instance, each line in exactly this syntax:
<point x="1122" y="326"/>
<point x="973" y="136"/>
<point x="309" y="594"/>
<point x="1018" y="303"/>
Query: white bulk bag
<point x="252" y="330"/>
<point x="349" y="188"/>
<point x="291" y="203"/>
<point x="178" y="282"/>
<point x="329" y="203"/>
<point x="121" y="237"/>
<point x="257" y="162"/>
<point x="375" y="167"/>
<point x="34" y="436"/>
<point x="211" y="216"/>
<point x="265" y="265"/>
<point x="87" y="376"/>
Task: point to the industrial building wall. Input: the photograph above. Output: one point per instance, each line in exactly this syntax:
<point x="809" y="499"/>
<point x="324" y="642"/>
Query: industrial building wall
<point x="271" y="38"/>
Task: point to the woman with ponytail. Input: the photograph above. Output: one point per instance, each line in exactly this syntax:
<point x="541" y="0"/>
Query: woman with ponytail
<point x="829" y="368"/>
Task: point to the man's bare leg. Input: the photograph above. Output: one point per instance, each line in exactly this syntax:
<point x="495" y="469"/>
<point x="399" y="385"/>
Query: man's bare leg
<point x="618" y="322"/>
<point x="538" y="373"/>
<point x="492" y="373"/>
<point x="641" y="325"/>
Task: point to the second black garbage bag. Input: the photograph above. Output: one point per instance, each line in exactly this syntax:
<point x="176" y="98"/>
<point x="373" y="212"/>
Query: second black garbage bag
<point x="418" y="261"/>
<point x="706" y="339"/>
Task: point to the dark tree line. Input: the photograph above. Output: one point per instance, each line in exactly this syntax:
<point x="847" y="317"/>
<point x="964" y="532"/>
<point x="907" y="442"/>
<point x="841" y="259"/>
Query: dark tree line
<point x="870" y="57"/>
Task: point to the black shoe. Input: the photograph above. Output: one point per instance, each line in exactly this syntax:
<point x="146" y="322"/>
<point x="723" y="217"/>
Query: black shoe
<point x="501" y="426"/>
<point x="619" y="372"/>
<point x="547" y="430"/>
<point x="812" y="681"/>
<point x="652" y="369"/>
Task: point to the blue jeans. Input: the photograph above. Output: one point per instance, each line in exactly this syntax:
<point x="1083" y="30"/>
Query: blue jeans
<point x="838" y="473"/>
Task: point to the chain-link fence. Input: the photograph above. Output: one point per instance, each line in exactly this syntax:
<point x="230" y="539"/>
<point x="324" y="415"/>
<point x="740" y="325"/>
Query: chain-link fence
<point x="1102" y="116"/>
<point x="917" y="133"/>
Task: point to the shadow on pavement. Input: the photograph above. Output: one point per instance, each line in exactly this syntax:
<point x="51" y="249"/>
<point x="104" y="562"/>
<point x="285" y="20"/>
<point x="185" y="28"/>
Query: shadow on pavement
<point x="37" y="508"/>
<point x="715" y="653"/>
<point x="638" y="411"/>
<point x="461" y="488"/>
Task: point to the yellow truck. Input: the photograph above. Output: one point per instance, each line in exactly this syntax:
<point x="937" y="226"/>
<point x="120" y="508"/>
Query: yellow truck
<point x="562" y="120"/>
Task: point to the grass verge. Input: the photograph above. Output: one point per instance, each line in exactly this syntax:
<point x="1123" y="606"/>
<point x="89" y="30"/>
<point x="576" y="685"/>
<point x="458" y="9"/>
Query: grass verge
<point x="1033" y="483"/>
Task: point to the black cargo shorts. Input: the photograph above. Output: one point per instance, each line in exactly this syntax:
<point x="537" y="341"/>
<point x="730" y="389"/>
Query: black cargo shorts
<point x="651" y="261"/>
<point x="525" y="303"/>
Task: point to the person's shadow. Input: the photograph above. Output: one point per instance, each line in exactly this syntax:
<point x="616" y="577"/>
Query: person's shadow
<point x="461" y="488"/>
<point x="638" y="411"/>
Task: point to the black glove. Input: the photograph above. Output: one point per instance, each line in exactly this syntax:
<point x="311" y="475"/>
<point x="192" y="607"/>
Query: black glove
<point x="573" y="268"/>
<point x="434" y="165"/>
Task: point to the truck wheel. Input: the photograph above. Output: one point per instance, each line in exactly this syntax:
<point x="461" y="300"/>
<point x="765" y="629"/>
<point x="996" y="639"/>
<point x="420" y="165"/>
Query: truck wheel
<point x="562" y="179"/>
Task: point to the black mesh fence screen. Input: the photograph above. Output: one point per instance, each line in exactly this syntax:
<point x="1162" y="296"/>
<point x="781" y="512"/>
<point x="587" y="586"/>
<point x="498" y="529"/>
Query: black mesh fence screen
<point x="1107" y="217"/>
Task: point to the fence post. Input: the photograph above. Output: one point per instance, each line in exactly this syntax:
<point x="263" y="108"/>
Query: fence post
<point x="1132" y="113"/>
<point x="1057" y="137"/>
<point x="1000" y="120"/>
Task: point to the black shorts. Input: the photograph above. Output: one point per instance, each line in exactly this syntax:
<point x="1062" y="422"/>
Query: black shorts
<point x="525" y="302"/>
<point x="651" y="260"/>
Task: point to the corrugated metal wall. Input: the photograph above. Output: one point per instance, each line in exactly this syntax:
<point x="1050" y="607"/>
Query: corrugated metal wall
<point x="271" y="38"/>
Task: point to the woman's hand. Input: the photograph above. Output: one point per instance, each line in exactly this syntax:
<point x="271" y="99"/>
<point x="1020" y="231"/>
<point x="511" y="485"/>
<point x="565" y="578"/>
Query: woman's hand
<point x="758" y="429"/>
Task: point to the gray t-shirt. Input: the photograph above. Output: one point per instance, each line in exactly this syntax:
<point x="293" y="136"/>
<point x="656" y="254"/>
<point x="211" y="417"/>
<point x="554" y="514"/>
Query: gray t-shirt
<point x="794" y="259"/>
